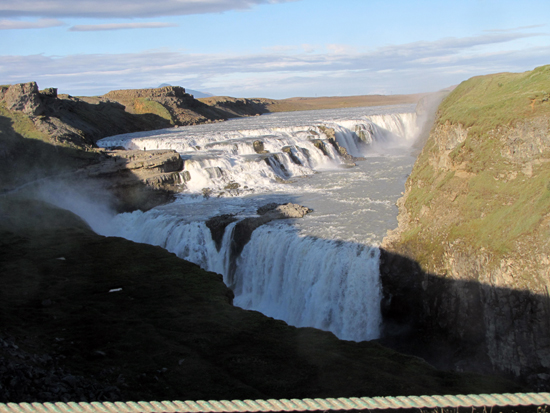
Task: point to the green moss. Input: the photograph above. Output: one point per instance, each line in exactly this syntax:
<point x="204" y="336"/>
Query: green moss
<point x="497" y="214"/>
<point x="146" y="105"/>
<point x="21" y="124"/>
<point x="491" y="204"/>
<point x="421" y="193"/>
<point x="448" y="176"/>
<point x="484" y="102"/>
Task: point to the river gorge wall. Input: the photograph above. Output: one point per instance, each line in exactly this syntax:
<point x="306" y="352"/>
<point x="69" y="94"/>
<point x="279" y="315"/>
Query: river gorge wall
<point x="466" y="274"/>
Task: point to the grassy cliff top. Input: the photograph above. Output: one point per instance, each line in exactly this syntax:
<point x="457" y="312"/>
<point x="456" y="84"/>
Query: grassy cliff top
<point x="483" y="178"/>
<point x="484" y="102"/>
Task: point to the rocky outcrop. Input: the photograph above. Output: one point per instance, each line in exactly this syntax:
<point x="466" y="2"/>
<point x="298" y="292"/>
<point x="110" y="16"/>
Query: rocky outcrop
<point x="23" y="97"/>
<point x="64" y="131"/>
<point x="466" y="273"/>
<point x="169" y="102"/>
<point x="138" y="179"/>
<point x="238" y="107"/>
<point x="244" y="228"/>
<point x="217" y="226"/>
<point x="270" y="212"/>
<point x="267" y="213"/>
<point x="152" y="165"/>
<point x="259" y="147"/>
<point x="81" y="121"/>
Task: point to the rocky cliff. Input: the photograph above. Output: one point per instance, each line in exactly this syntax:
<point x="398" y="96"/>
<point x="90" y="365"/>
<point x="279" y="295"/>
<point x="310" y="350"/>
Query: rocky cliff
<point x="81" y="121"/>
<point x="43" y="135"/>
<point x="466" y="274"/>
<point x="236" y="107"/>
<point x="169" y="102"/>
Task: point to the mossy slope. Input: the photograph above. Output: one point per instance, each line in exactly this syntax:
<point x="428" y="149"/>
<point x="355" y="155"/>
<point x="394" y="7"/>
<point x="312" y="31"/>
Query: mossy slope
<point x="476" y="218"/>
<point x="489" y="187"/>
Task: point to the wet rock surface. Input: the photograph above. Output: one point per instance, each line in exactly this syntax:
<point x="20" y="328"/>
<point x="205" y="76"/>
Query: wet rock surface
<point x="217" y="226"/>
<point x="267" y="213"/>
<point x="243" y="230"/>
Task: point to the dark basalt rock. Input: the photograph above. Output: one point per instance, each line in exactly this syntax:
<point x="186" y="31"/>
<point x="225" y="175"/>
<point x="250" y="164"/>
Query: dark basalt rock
<point x="217" y="227"/>
<point x="293" y="157"/>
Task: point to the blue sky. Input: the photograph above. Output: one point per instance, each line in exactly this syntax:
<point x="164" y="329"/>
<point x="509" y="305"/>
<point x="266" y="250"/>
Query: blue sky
<point x="268" y="48"/>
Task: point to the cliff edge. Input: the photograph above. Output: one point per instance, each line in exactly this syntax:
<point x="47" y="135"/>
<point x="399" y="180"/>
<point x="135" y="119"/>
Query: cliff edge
<point x="46" y="136"/>
<point x="466" y="274"/>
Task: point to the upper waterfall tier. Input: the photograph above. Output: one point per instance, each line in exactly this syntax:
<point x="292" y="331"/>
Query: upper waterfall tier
<point x="256" y="155"/>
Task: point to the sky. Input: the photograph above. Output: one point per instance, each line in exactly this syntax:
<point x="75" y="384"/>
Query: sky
<point x="268" y="48"/>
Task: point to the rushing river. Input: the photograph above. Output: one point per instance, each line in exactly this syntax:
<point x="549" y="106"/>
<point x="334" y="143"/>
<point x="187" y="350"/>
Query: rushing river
<point x="320" y="270"/>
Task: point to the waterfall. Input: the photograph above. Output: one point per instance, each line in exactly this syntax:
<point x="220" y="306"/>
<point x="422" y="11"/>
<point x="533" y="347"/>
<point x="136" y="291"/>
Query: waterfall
<point x="306" y="281"/>
<point x="291" y="270"/>
<point x="226" y="160"/>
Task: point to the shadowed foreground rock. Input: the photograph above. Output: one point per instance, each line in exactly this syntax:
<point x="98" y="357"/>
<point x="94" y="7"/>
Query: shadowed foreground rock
<point x="127" y="321"/>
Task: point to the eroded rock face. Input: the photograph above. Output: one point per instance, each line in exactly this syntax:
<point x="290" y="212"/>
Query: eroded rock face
<point x="24" y="97"/>
<point x="166" y="91"/>
<point x="467" y="299"/>
<point x="244" y="228"/>
<point x="267" y="213"/>
<point x="217" y="226"/>
<point x="182" y="108"/>
<point x="82" y="121"/>
<point x="139" y="179"/>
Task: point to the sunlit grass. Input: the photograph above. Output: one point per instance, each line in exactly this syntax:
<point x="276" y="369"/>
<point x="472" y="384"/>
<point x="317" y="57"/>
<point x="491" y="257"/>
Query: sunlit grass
<point x="145" y="105"/>
<point x="20" y="124"/>
<point x="485" y="102"/>
<point x="492" y="204"/>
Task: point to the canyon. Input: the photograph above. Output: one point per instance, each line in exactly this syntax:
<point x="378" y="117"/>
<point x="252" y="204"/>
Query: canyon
<point x="464" y="276"/>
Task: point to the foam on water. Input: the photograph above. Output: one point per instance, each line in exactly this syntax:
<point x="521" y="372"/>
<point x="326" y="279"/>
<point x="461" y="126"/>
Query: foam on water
<point x="319" y="271"/>
<point x="255" y="154"/>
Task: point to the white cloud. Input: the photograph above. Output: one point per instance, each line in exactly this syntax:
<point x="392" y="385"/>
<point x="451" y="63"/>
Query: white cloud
<point x="280" y="49"/>
<point x="119" y="26"/>
<point x="533" y="26"/>
<point x="38" y="24"/>
<point x="123" y="8"/>
<point x="308" y="48"/>
<point x="340" y="48"/>
<point x="406" y="68"/>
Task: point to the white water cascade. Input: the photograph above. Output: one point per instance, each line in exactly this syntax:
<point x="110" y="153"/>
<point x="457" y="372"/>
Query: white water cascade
<point x="257" y="154"/>
<point x="309" y="281"/>
<point x="319" y="271"/>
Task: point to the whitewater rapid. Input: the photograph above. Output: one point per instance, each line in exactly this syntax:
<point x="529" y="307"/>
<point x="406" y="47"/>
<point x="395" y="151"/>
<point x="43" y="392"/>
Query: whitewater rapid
<point x="319" y="271"/>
